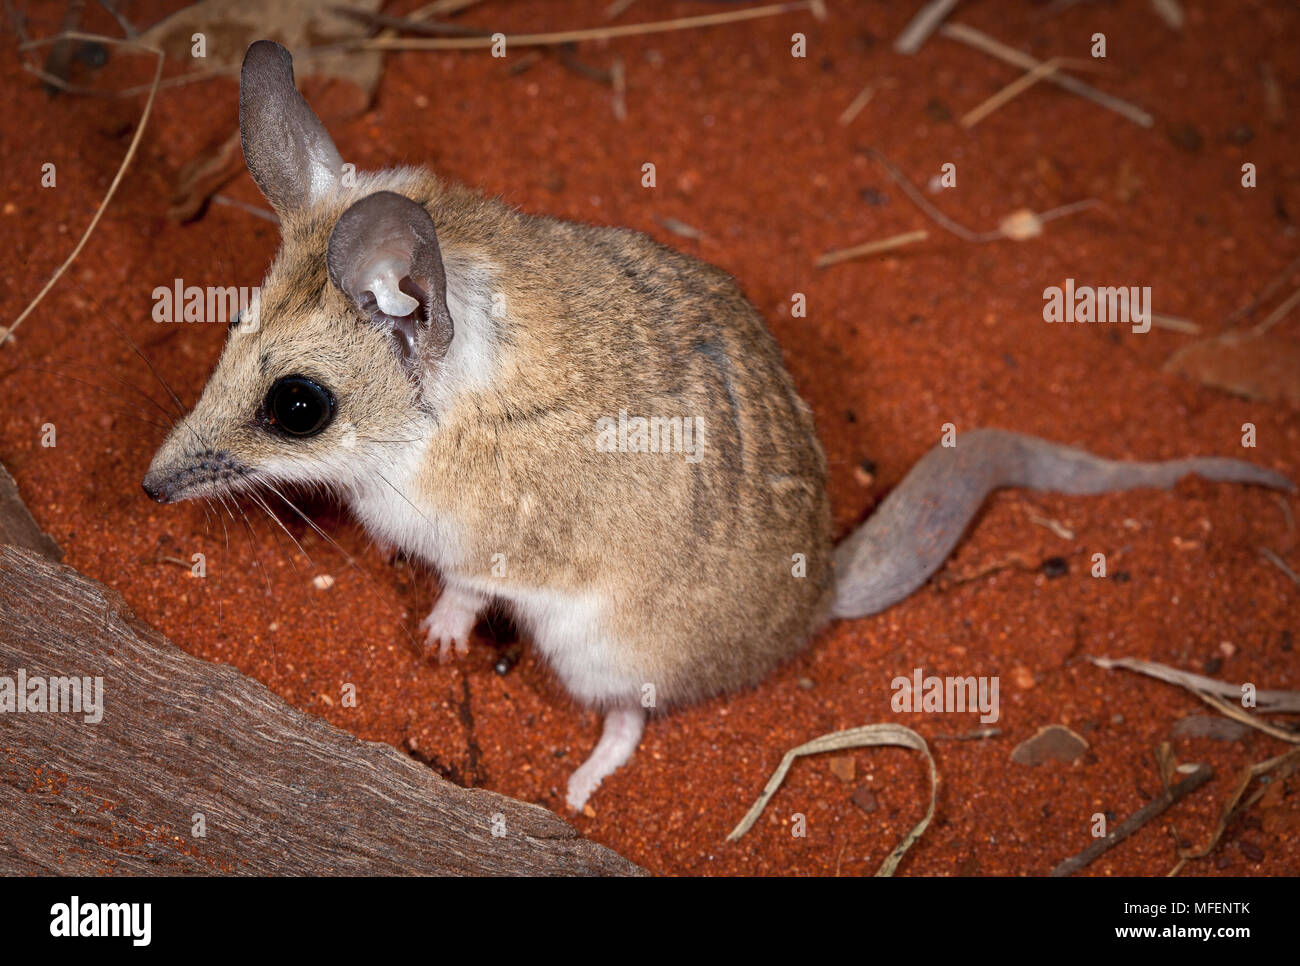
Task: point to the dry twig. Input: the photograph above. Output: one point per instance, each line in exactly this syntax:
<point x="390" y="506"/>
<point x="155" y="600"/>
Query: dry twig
<point x="1017" y="58"/>
<point x="117" y="179"/>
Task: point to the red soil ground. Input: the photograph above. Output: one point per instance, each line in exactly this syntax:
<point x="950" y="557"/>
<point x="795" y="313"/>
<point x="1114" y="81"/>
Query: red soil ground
<point x="749" y="152"/>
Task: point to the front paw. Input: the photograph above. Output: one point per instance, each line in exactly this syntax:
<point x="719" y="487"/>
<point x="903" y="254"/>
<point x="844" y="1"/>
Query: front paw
<point x="448" y="626"/>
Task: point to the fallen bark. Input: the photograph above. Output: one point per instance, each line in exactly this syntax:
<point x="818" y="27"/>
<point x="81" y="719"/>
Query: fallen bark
<point x="184" y="745"/>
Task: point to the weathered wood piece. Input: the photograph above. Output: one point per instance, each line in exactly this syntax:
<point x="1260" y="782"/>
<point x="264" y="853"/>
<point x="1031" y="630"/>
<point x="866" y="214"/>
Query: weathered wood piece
<point x="17" y="526"/>
<point x="278" y="791"/>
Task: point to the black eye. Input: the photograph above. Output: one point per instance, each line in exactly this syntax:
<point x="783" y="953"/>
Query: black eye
<point x="297" y="406"/>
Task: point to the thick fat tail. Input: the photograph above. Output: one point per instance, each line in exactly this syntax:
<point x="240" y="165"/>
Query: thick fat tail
<point x="918" y="524"/>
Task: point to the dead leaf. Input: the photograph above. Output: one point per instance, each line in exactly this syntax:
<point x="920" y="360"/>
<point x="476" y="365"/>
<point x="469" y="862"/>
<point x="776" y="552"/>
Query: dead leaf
<point x="229" y="26"/>
<point x="1261" y="368"/>
<point x="203" y="176"/>
<point x="1209" y="726"/>
<point x="1053" y="743"/>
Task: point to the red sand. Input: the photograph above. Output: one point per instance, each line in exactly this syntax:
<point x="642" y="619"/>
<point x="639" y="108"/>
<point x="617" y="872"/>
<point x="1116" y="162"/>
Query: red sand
<point x="749" y="152"/>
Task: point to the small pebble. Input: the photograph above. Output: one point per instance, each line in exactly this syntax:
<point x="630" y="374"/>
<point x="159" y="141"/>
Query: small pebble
<point x="1251" y="851"/>
<point x="1241" y="134"/>
<point x="1053" y="743"/>
<point x="865" y="799"/>
<point x="1186" y="138"/>
<point x="842" y="767"/>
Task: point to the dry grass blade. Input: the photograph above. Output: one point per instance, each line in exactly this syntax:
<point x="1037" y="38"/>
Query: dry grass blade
<point x="1230" y="809"/>
<point x="1174" y="324"/>
<point x="1020" y="225"/>
<point x="117" y="179"/>
<point x="1017" y="58"/>
<point x="1239" y="714"/>
<point x="855" y="107"/>
<point x="1019" y="86"/>
<point x="1279" y="563"/>
<point x="924" y="23"/>
<point x="871" y="248"/>
<point x="868" y="736"/>
<point x="590" y="33"/>
<point x="1265" y="701"/>
<point x="1277" y="315"/>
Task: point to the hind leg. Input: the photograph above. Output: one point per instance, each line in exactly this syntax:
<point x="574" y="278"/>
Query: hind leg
<point x="449" y="624"/>
<point x="618" y="739"/>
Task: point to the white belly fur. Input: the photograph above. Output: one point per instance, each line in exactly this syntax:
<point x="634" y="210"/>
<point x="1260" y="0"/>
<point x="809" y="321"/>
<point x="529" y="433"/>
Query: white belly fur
<point x="567" y="628"/>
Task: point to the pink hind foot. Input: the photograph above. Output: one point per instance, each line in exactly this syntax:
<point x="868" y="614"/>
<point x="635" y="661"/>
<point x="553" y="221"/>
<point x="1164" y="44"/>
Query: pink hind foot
<point x="619" y="738"/>
<point x="449" y="624"/>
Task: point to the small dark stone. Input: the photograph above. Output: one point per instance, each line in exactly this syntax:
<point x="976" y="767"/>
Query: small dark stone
<point x="1010" y="360"/>
<point x="1223" y="859"/>
<point x="865" y="799"/>
<point x="1055" y="567"/>
<point x="937" y="110"/>
<point x="1210" y="726"/>
<point x="914" y="320"/>
<point x="1052" y="743"/>
<point x="1121" y="577"/>
<point x="1241" y="134"/>
<point x="508" y="659"/>
<point x="1251" y="851"/>
<point x="1287" y="641"/>
<point x="827" y="65"/>
<point x="94" y="55"/>
<point x="873" y="196"/>
<point x="1186" y="137"/>
<point x="1213" y="665"/>
<point x="868" y="467"/>
<point x="850" y="415"/>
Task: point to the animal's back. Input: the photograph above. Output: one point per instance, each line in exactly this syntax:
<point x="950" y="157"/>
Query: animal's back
<point x="602" y="327"/>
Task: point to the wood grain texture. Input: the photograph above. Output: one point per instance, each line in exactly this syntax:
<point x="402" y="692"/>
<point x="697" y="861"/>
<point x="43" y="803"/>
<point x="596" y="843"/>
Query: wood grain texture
<point x="281" y="792"/>
<point x="17" y="526"/>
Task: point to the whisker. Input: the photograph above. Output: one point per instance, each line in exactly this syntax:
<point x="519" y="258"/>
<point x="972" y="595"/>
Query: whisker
<point x="346" y="556"/>
<point x="101" y="389"/>
<point x="134" y="348"/>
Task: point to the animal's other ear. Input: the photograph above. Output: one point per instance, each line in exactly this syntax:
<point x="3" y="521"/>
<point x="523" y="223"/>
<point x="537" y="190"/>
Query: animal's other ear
<point x="384" y="256"/>
<point x="288" y="151"/>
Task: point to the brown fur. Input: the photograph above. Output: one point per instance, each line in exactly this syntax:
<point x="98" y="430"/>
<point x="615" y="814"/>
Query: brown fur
<point x="697" y="559"/>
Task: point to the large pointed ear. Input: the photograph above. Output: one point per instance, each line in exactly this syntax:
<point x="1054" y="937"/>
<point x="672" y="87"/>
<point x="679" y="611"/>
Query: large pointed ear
<point x="384" y="256"/>
<point x="288" y="151"/>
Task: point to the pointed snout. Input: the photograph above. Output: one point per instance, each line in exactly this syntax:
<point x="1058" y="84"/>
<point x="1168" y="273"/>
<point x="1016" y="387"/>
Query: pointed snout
<point x="177" y="474"/>
<point x="155" y="485"/>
